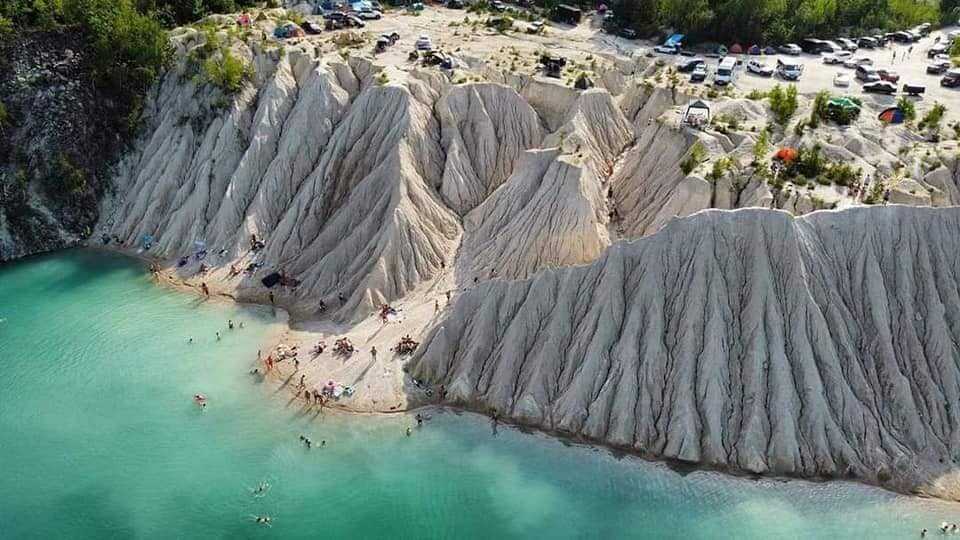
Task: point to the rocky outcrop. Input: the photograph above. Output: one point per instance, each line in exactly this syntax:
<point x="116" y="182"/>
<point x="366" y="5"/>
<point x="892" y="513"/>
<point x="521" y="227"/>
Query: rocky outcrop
<point x="820" y="346"/>
<point x="57" y="140"/>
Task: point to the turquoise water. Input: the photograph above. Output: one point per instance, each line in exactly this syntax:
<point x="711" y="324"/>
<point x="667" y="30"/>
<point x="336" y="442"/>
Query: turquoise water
<point x="99" y="439"/>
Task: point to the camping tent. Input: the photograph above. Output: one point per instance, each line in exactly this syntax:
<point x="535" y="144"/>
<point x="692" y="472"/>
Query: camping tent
<point x="754" y="49"/>
<point x="722" y="50"/>
<point x="893" y="115"/>
<point x="786" y="154"/>
<point x="736" y="48"/>
<point x="674" y="40"/>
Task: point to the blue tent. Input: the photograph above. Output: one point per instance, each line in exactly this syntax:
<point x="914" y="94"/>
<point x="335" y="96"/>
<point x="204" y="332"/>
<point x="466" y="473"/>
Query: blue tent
<point x="674" y="40"/>
<point x="893" y="115"/>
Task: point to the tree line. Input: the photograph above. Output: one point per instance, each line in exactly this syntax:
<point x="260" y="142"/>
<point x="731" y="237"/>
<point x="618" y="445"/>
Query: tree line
<point x="778" y="21"/>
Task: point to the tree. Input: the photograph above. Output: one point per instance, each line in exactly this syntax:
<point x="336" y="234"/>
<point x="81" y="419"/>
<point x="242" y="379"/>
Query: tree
<point x="909" y="111"/>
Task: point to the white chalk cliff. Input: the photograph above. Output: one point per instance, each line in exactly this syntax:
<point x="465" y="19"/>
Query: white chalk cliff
<point x="820" y="346"/>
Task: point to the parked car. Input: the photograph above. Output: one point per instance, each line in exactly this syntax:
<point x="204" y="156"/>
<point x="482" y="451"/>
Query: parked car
<point x="867" y="74"/>
<point x="791" y="49"/>
<point x="311" y="27"/>
<point x="847" y="44"/>
<point x="455" y="4"/>
<point x="901" y="37"/>
<point x="770" y="51"/>
<point x="685" y="65"/>
<point x="880" y="87"/>
<point x="953" y="34"/>
<point x="867" y="42"/>
<point x="628" y="33"/>
<point x="951" y="79"/>
<point x="368" y="13"/>
<point x="498" y="6"/>
<point x="665" y="49"/>
<point x="699" y="73"/>
<point x="423" y="43"/>
<point x="888" y="75"/>
<point x="832" y="46"/>
<point x="837" y="57"/>
<point x="841" y="79"/>
<point x="535" y="27"/>
<point x="354" y="21"/>
<point x="939" y="67"/>
<point x="813" y="46"/>
<point x="938" y="48"/>
<point x="334" y="15"/>
<point x="852" y="63"/>
<point x="759" y="68"/>
<point x="789" y="71"/>
<point x="914" y="89"/>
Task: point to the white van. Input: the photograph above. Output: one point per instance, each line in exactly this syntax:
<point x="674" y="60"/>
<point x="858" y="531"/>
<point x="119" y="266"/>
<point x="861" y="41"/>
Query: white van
<point x="726" y="72"/>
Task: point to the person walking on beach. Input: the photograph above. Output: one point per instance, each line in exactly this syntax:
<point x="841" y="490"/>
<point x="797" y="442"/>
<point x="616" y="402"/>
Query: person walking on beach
<point x="373" y="352"/>
<point x="205" y="289"/>
<point x="271" y="298"/>
<point x="448" y="298"/>
<point x="436" y="306"/>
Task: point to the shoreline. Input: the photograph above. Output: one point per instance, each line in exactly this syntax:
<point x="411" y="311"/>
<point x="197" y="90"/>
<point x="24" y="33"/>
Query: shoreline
<point x="283" y="376"/>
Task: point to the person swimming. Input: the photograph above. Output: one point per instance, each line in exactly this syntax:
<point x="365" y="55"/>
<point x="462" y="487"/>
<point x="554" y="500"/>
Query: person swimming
<point x="260" y="490"/>
<point x="409" y="431"/>
<point x="262" y="520"/>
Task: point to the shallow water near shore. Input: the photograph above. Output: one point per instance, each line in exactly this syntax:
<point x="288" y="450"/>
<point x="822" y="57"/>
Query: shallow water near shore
<point x="99" y="438"/>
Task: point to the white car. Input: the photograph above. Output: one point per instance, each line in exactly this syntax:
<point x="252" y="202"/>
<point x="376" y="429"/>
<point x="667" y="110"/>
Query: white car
<point x="837" y="57"/>
<point x="759" y="68"/>
<point x="423" y="43"/>
<point x="665" y="49"/>
<point x="841" y="79"/>
<point x="941" y="58"/>
<point x="852" y="63"/>
<point x="369" y="14"/>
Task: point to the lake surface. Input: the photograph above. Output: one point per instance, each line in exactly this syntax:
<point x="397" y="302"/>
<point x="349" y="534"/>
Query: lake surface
<point x="99" y="438"/>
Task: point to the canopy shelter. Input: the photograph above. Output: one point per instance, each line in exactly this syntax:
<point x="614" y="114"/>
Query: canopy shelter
<point x="736" y="48"/>
<point x="698" y="113"/>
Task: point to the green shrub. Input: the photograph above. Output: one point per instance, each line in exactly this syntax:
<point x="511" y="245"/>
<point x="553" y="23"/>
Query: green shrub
<point x="783" y="103"/>
<point x="227" y="71"/>
<point x="909" y="110"/>
<point x="761" y="147"/>
<point x="694" y="158"/>
<point x="4" y="117"/>
<point x="756" y="95"/>
<point x="71" y="177"/>
<point x="930" y="120"/>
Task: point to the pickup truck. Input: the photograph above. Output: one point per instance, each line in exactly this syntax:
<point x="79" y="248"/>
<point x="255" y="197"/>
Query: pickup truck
<point x="913" y="89"/>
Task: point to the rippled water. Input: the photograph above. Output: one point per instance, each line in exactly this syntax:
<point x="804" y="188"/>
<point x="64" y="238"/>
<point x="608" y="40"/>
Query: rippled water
<point x="99" y="438"/>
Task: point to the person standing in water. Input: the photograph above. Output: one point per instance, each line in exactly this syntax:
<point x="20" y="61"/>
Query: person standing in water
<point x="205" y="289"/>
<point x="218" y="336"/>
<point x="230" y="324"/>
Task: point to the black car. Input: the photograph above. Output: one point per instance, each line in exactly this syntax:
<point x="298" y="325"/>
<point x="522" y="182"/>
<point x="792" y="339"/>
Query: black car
<point x="628" y="33"/>
<point x="867" y="43"/>
<point x="454" y="4"/>
<point x="901" y="37"/>
<point x="311" y="27"/>
<point x="938" y="48"/>
<point x="813" y="45"/>
<point x="938" y="68"/>
<point x="335" y="15"/>
<point x="686" y="66"/>
<point x="880" y="87"/>
<point x="951" y="79"/>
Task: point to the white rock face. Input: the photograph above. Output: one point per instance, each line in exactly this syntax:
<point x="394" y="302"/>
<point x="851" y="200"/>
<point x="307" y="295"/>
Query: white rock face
<point x="820" y="346"/>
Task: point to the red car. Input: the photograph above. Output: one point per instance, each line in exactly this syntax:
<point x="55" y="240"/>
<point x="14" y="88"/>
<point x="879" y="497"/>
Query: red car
<point x="888" y="75"/>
